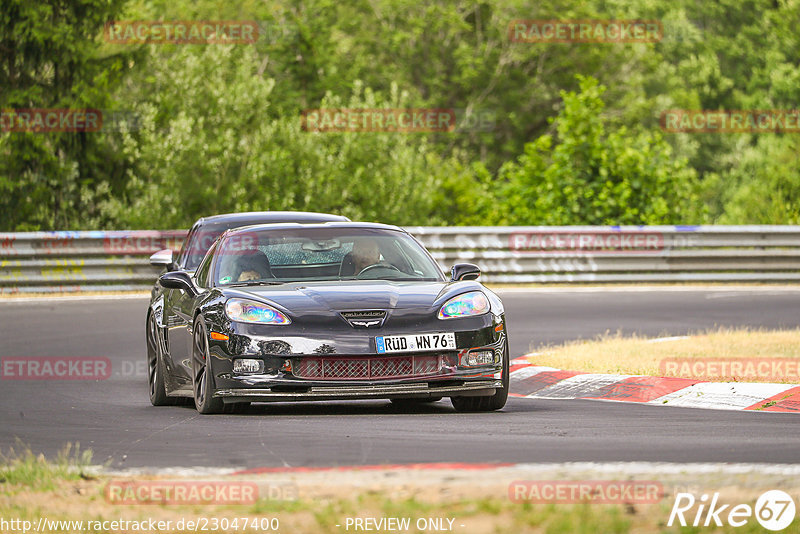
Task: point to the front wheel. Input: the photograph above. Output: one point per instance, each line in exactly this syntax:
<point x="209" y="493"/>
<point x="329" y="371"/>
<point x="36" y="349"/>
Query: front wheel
<point x="489" y="403"/>
<point x="202" y="375"/>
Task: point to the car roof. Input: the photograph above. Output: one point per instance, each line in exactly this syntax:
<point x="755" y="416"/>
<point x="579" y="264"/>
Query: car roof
<point x="263" y="217"/>
<point x="294" y="225"/>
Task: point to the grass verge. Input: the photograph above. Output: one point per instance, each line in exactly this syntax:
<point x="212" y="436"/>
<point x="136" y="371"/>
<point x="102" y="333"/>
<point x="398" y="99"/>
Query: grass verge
<point x="21" y="468"/>
<point x="635" y="355"/>
<point x="327" y="502"/>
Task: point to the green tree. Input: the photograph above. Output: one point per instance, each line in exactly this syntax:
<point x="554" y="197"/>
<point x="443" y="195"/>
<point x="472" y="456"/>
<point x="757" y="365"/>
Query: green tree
<point x="209" y="144"/>
<point x="729" y="55"/>
<point x="228" y="137"/>
<point x="764" y="188"/>
<point x="51" y="59"/>
<point x="591" y="176"/>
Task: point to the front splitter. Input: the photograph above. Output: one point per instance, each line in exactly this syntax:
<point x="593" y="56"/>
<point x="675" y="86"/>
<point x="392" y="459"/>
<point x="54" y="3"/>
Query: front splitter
<point x="349" y="392"/>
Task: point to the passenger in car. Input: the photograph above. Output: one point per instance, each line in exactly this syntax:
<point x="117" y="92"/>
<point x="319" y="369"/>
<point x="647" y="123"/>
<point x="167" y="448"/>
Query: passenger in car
<point x="252" y="265"/>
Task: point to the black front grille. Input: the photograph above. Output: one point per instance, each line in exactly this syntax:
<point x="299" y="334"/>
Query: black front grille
<point x="369" y="367"/>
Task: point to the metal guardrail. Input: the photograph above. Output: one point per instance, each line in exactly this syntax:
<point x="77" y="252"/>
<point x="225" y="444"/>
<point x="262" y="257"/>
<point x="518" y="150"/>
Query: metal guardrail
<point x="66" y="262"/>
<point x="103" y="261"/>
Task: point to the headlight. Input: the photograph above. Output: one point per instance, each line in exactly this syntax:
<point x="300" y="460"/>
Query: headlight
<point x="477" y="358"/>
<point x="473" y="303"/>
<point x="248" y="311"/>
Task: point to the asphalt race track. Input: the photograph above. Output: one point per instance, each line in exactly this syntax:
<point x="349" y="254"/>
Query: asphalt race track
<point x="114" y="418"/>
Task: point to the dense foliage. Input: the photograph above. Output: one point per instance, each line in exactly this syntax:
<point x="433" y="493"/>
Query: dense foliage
<point x="574" y="134"/>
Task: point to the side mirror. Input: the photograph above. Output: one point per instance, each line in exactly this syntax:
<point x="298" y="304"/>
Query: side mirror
<point x="162" y="258"/>
<point x="178" y="280"/>
<point x="464" y="271"/>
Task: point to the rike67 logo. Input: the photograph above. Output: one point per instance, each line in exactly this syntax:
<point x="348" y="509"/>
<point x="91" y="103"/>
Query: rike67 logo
<point x="774" y="510"/>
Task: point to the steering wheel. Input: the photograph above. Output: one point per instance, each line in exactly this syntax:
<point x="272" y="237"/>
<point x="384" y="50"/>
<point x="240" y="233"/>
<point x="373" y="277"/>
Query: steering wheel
<point x="378" y="266"/>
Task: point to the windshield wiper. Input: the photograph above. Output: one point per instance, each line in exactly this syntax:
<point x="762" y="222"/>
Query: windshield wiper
<point x="408" y="279"/>
<point x="399" y="279"/>
<point x="254" y="283"/>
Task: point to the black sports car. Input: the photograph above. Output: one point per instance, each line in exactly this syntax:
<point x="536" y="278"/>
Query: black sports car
<point x="336" y="310"/>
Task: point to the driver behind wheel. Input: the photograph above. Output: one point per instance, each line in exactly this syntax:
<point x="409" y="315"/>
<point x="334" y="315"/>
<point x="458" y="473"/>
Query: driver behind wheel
<point x="365" y="253"/>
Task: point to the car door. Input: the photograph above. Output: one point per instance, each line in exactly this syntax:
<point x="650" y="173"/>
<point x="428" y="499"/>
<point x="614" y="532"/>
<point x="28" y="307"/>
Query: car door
<point x="179" y="302"/>
<point x="183" y="306"/>
<point x="175" y="303"/>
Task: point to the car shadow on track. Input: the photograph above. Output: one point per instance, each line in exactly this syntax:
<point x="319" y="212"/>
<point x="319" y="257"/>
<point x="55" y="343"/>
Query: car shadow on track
<point x="365" y="407"/>
<point x="337" y="408"/>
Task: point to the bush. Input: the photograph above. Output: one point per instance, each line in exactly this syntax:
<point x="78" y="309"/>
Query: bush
<point x="590" y="176"/>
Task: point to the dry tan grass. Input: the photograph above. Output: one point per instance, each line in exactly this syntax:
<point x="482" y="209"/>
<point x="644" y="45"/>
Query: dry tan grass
<point x="615" y="354"/>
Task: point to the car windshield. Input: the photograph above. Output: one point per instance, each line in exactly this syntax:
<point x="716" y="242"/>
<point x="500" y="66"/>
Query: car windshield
<point x="269" y="256"/>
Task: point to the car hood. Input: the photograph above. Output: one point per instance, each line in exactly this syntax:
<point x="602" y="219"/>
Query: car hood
<point x="300" y="297"/>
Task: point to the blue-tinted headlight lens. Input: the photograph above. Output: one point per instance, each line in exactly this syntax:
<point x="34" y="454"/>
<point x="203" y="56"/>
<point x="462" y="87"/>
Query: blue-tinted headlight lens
<point x="248" y="311"/>
<point x="473" y="303"/>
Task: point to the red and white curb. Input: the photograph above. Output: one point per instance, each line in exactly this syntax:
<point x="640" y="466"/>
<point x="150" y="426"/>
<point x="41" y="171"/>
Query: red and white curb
<point x="537" y="382"/>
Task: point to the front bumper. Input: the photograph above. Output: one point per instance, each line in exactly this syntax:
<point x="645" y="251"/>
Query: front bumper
<point x="286" y="361"/>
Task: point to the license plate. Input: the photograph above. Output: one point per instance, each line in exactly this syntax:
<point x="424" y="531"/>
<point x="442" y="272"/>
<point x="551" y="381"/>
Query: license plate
<point x="415" y="343"/>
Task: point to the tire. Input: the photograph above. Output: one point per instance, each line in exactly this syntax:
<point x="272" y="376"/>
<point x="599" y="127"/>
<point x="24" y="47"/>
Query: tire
<point x="155" y="366"/>
<point x="486" y="404"/>
<point x="202" y="375"/>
